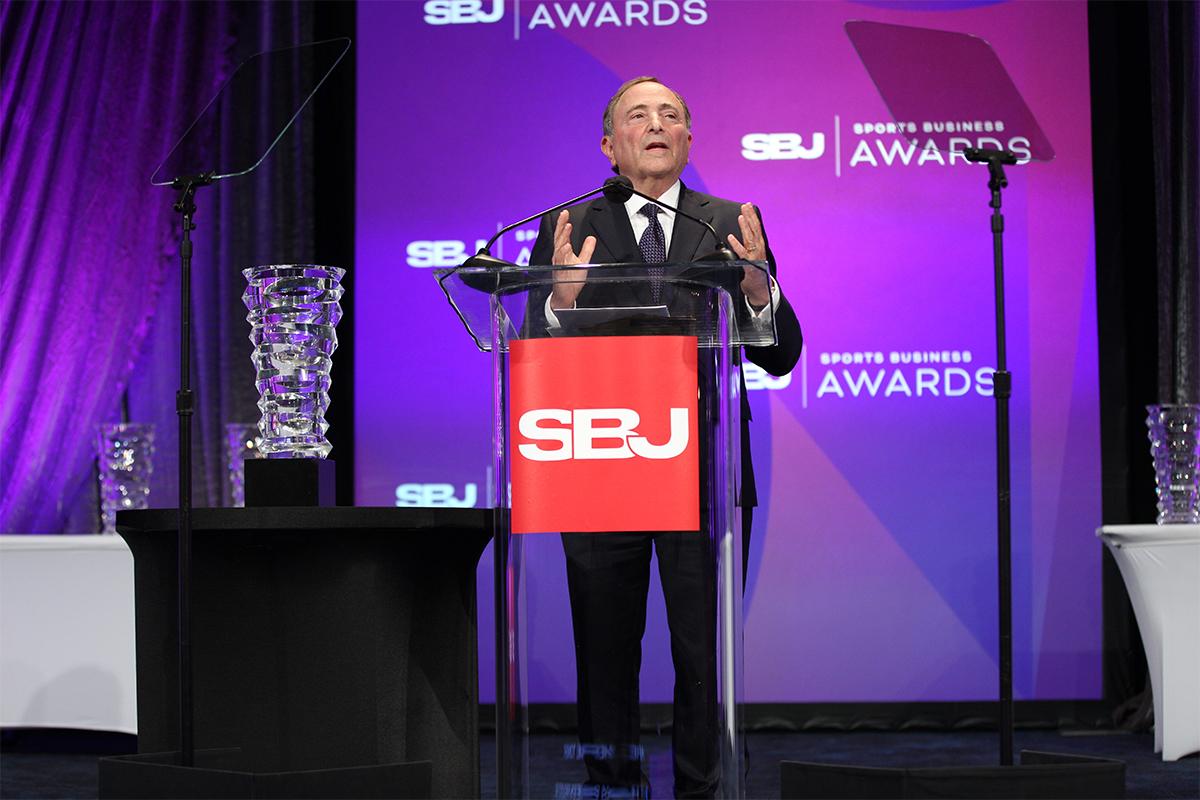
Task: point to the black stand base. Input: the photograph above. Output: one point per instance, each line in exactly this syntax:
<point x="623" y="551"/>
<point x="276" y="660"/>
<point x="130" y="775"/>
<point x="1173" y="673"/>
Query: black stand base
<point x="1045" y="776"/>
<point x="289" y="482"/>
<point x="223" y="775"/>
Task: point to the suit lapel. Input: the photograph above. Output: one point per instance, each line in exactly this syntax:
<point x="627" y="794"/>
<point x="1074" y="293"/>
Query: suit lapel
<point x="687" y="235"/>
<point x="610" y="225"/>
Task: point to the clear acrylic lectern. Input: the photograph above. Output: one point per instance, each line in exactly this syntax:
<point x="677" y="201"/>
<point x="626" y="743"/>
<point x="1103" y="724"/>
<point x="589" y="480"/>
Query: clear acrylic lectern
<point x="616" y="435"/>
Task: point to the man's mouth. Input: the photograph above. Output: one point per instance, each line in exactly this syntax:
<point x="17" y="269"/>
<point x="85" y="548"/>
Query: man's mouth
<point x="657" y="146"/>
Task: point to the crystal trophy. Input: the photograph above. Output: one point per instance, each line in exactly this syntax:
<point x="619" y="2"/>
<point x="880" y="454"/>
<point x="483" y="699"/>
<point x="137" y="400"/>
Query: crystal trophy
<point x="293" y="311"/>
<point x="1176" y="450"/>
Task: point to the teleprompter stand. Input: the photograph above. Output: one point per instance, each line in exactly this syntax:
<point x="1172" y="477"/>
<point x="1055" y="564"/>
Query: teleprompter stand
<point x="169" y="765"/>
<point x="971" y="84"/>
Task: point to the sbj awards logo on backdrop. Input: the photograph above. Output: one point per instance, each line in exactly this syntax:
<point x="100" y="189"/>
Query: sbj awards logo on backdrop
<point x="604" y="434"/>
<point x="567" y="14"/>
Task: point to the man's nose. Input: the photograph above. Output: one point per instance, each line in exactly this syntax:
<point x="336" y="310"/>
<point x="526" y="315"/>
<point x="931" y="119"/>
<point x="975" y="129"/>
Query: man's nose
<point x="656" y="122"/>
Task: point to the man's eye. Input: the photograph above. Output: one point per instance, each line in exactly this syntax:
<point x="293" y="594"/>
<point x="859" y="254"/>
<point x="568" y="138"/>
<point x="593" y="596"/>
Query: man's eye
<point x="637" y="115"/>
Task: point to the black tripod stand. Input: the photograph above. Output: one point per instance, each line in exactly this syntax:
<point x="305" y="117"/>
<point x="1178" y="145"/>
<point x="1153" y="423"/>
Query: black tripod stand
<point x="185" y="204"/>
<point x="996" y="160"/>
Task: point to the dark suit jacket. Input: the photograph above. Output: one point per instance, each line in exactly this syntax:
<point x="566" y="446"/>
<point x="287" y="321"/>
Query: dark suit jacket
<point x="615" y="243"/>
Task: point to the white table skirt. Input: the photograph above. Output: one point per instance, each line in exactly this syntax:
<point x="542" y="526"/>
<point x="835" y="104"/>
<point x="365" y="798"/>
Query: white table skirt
<point x="67" y="656"/>
<point x="1160" y="565"/>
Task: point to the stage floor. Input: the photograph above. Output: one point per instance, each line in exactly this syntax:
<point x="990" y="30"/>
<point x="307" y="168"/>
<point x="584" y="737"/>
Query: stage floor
<point x="25" y="773"/>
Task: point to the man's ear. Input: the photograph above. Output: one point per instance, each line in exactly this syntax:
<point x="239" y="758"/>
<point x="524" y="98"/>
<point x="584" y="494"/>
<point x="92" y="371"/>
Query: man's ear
<point x="607" y="148"/>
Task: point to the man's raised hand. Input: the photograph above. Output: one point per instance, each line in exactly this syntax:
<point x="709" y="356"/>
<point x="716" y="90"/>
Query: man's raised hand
<point x="568" y="283"/>
<point x="752" y="247"/>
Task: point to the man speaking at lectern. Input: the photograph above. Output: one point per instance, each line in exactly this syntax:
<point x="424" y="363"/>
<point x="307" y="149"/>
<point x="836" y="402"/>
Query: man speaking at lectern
<point x="647" y="136"/>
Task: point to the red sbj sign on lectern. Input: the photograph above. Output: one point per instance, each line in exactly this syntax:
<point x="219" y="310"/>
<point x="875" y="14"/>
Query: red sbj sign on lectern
<point x="603" y="434"/>
<point x="617" y="430"/>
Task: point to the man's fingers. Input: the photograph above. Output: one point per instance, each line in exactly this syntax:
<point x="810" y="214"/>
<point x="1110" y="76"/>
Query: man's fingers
<point x="752" y="236"/>
<point x="737" y="247"/>
<point x="564" y="253"/>
<point x="751" y="246"/>
<point x="562" y="243"/>
<point x="562" y="230"/>
<point x="585" y="252"/>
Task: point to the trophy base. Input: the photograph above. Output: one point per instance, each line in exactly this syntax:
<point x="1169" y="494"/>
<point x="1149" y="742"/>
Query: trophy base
<point x="290" y="482"/>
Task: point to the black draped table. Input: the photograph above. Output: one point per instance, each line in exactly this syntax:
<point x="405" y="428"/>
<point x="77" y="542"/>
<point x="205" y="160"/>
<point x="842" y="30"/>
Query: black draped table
<point x="323" y="638"/>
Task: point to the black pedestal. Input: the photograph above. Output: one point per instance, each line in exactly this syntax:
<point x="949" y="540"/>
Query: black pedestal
<point x="323" y="638"/>
<point x="1045" y="776"/>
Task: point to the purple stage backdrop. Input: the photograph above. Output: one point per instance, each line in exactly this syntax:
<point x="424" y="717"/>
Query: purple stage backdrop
<point x="873" y="573"/>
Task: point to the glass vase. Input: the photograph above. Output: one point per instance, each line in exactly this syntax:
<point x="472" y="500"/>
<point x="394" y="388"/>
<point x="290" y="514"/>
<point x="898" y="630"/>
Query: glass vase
<point x="125" y="452"/>
<point x="293" y="310"/>
<point x="1176" y="451"/>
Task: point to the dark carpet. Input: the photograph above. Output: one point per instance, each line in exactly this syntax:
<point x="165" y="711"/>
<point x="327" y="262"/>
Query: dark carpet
<point x="27" y="773"/>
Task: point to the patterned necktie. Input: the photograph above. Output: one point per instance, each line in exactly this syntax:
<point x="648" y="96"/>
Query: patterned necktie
<point x="654" y="249"/>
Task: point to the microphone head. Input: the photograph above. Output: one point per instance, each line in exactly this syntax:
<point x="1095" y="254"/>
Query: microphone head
<point x="618" y="189"/>
<point x="485" y="259"/>
<point x="722" y="253"/>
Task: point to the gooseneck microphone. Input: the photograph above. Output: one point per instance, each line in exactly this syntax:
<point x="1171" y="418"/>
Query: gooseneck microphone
<point x="613" y="188"/>
<point x="620" y="189"/>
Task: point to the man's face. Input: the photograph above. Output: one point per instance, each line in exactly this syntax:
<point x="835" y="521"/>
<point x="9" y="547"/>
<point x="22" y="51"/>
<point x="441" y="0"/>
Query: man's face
<point x="650" y="139"/>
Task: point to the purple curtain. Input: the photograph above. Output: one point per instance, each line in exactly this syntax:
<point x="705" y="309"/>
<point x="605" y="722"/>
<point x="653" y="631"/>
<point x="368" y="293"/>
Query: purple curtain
<point x="93" y="96"/>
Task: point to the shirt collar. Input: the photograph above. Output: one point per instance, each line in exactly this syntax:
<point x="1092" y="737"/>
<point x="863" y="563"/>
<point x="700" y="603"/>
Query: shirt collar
<point x="671" y="197"/>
